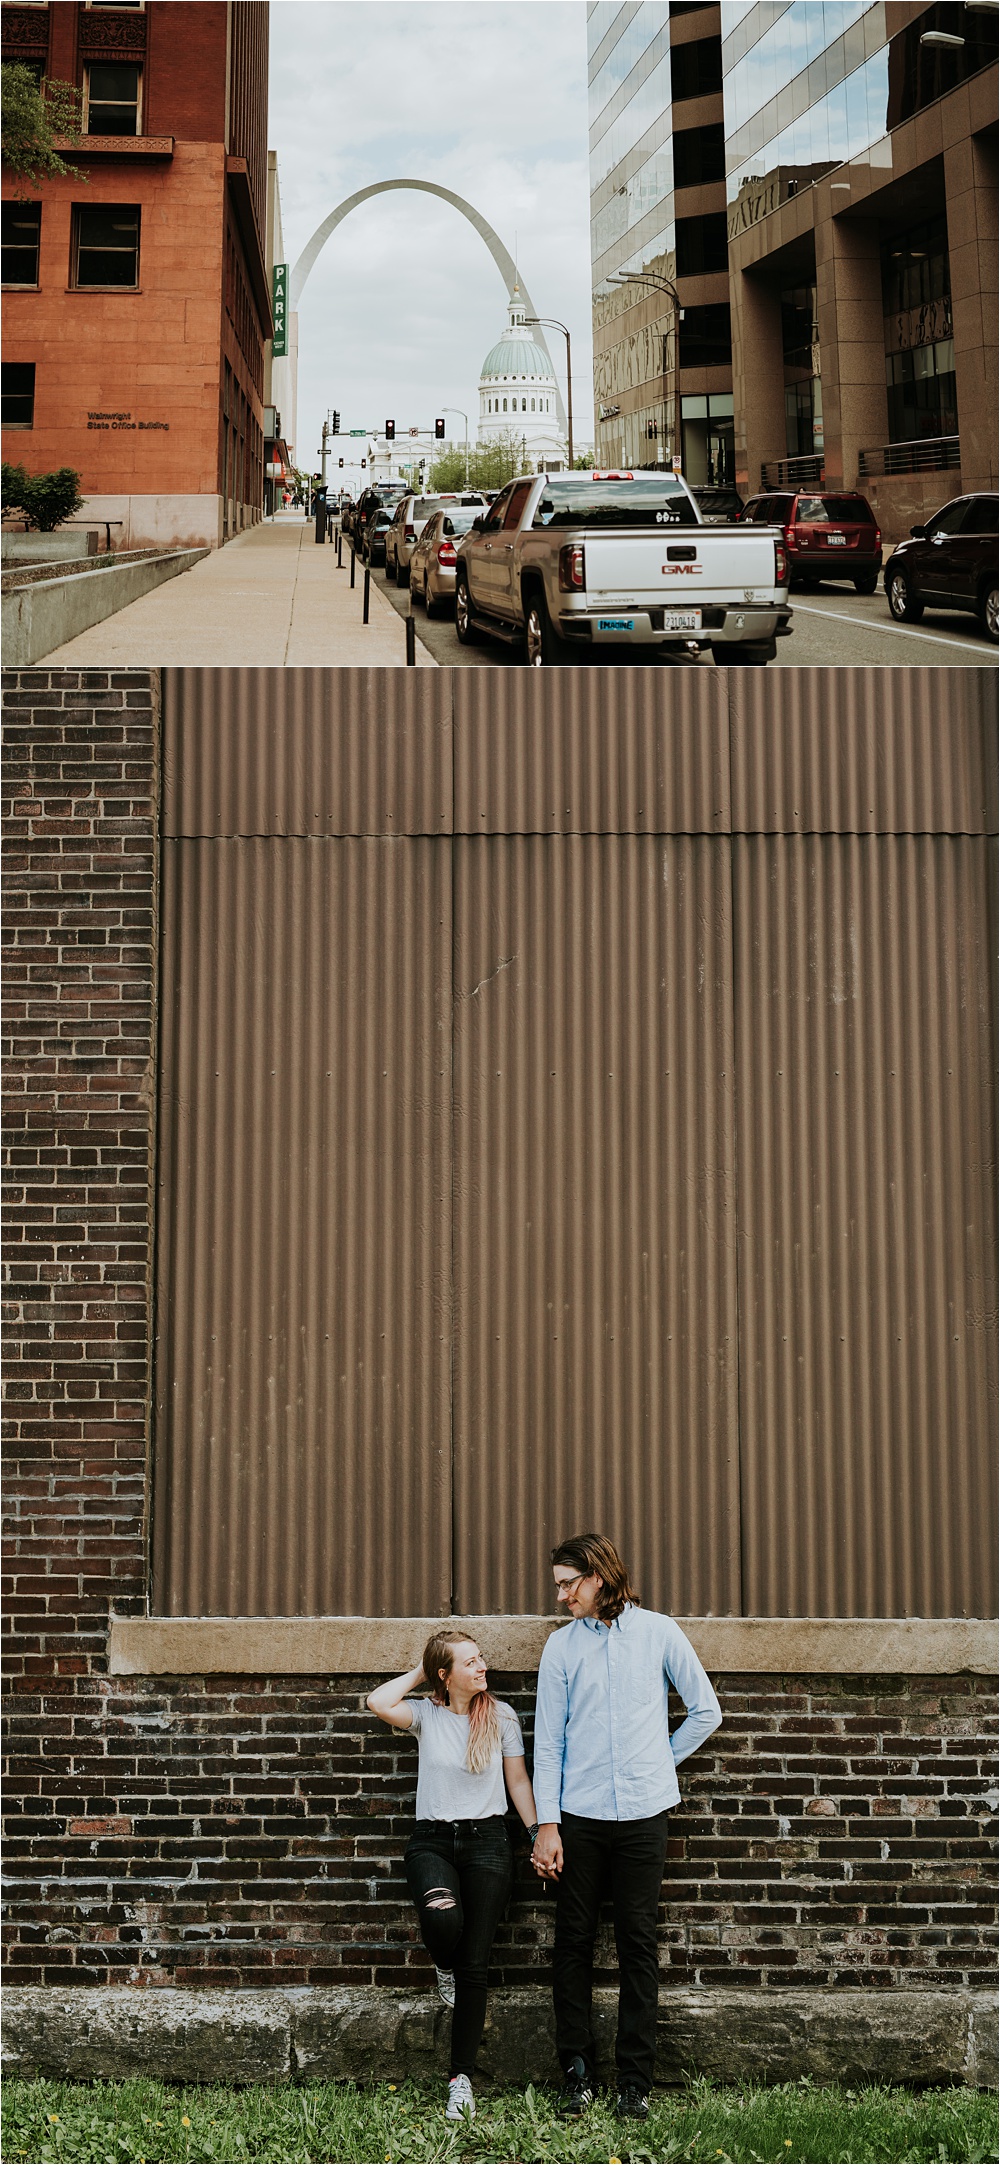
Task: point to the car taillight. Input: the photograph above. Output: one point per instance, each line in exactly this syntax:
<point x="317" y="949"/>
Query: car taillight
<point x="878" y="537"/>
<point x="780" y="565"/>
<point x="408" y="532"/>
<point x="791" y="536"/>
<point x="446" y="552"/>
<point x="572" y="568"/>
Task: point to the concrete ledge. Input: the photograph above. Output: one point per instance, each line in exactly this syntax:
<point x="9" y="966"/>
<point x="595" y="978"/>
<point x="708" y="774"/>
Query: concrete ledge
<point x="37" y="619"/>
<point x="32" y="548"/>
<point x="364" y="2033"/>
<point x="365" y="1645"/>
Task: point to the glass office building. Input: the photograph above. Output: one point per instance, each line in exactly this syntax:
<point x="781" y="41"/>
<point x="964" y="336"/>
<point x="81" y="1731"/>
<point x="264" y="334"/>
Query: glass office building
<point x="851" y="175"/>
<point x="658" y="238"/>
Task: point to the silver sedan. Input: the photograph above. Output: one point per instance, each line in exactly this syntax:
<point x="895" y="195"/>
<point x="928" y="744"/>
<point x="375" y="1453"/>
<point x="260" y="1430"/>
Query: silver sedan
<point x="432" y="565"/>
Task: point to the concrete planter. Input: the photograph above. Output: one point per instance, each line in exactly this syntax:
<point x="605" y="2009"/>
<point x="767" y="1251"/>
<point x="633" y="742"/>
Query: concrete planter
<point x="38" y="619"/>
<point x="48" y="548"/>
<point x="364" y="2033"/>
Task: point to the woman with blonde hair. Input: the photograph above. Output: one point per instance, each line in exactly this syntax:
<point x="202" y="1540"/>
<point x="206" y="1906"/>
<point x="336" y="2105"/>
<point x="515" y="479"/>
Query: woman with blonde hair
<point x="459" y="1867"/>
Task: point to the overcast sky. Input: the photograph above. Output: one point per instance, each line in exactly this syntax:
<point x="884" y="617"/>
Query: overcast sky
<point x="486" y="97"/>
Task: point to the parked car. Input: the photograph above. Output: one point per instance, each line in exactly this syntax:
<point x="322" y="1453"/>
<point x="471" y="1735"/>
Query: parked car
<point x="377" y="526"/>
<point x="432" y="565"/>
<point x="412" y="513"/>
<point x="718" y="506"/>
<point x="948" y="563"/>
<point x="563" y="564"/>
<point x="372" y="499"/>
<point x="827" y="536"/>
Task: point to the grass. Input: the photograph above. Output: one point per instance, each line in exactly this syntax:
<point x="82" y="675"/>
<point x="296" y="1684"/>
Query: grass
<point x="388" y="2124"/>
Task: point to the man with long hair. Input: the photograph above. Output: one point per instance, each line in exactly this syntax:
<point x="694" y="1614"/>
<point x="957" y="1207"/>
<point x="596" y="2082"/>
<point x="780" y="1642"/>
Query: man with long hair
<point x="605" y="1781"/>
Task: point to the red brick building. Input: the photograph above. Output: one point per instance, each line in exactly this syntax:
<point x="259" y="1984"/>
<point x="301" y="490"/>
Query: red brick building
<point x="136" y="296"/>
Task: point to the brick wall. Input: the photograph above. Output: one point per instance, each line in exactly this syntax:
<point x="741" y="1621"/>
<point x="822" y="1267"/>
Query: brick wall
<point x="250" y="1831"/>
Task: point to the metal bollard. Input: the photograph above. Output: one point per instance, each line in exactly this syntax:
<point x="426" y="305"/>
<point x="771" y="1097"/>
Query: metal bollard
<point x="340" y="552"/>
<point x="411" y="643"/>
<point x="354" y="559"/>
<point x="368" y="588"/>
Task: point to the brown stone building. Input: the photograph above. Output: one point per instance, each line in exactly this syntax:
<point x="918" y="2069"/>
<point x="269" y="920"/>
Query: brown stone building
<point x="136" y="298"/>
<point x="855" y="300"/>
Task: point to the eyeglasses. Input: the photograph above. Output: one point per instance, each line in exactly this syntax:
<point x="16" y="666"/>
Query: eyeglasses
<point x="564" y="1587"/>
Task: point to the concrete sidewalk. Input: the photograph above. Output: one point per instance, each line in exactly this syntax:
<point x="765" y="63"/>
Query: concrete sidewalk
<point x="271" y="599"/>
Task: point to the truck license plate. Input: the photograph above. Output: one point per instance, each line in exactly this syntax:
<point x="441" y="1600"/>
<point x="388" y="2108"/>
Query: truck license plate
<point x="836" y="541"/>
<point x="616" y="623"/>
<point x="682" y="620"/>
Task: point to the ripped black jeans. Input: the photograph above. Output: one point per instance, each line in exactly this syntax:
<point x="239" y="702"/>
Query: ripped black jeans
<point x="460" y="1873"/>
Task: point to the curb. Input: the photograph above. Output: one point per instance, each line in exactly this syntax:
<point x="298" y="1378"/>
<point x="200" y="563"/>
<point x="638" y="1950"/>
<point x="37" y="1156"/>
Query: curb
<point x="365" y="2033"/>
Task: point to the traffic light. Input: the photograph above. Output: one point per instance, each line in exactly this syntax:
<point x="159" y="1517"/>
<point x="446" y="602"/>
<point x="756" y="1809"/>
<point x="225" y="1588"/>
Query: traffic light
<point x="340" y="462"/>
<point x="364" y="463"/>
<point x="390" y="430"/>
<point x="439" y="427"/>
<point x="335" y="423"/>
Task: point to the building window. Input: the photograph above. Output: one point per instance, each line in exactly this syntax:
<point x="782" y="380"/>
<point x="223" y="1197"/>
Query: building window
<point x="18" y="394"/>
<point x="699" y="155"/>
<point x="706" y="337"/>
<point x="105" y="244"/>
<point x="22" y="226"/>
<point x="702" y="245"/>
<point x="115" y="3"/>
<point x="696" y="70"/>
<point x="112" y="97"/>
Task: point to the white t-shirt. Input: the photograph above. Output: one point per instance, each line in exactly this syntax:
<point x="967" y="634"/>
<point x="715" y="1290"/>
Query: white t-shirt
<point x="445" y="1788"/>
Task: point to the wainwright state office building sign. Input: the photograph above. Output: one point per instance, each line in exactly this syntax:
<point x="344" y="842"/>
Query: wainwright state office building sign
<point x="112" y="421"/>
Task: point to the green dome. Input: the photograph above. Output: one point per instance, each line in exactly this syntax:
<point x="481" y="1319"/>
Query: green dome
<point x="517" y="357"/>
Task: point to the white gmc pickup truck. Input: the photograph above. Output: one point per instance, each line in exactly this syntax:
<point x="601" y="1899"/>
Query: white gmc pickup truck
<point x="566" y="564"/>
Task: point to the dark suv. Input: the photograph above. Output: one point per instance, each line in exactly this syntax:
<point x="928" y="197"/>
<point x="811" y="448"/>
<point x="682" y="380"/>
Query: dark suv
<point x="826" y="536"/>
<point x="950" y="563"/>
<point x="386" y="493"/>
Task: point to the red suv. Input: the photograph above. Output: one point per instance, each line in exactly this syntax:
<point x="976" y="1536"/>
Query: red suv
<point x="826" y="536"/>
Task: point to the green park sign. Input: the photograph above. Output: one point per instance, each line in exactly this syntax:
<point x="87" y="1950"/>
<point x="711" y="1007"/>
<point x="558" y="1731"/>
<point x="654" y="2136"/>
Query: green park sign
<point x="279" y="306"/>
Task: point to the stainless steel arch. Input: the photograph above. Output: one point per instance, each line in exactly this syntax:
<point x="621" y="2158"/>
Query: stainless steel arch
<point x="501" y="257"/>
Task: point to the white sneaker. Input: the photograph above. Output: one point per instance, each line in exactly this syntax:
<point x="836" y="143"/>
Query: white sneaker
<point x="446" y="1987"/>
<point x="461" y="2103"/>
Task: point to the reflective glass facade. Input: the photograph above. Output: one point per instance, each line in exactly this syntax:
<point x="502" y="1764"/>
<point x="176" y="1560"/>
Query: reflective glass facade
<point x="642" y="80"/>
<point x="810" y="86"/>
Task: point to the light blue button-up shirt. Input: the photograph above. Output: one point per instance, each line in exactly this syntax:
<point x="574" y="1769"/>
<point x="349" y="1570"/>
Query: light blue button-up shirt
<point x="603" y="1749"/>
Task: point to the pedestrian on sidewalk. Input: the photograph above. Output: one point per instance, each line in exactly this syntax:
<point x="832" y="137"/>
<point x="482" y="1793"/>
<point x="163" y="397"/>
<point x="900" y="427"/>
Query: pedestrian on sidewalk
<point x="459" y="1866"/>
<point x="605" y="1778"/>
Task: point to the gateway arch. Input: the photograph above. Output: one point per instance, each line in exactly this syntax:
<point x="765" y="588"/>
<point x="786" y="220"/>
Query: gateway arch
<point x="503" y="260"/>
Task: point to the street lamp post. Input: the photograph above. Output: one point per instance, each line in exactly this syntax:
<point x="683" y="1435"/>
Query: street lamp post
<point x="464" y="417"/>
<point x="552" y="323"/>
<point x="662" y="285"/>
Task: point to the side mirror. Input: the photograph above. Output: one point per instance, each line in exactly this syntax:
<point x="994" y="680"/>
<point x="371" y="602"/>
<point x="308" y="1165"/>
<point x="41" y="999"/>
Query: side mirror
<point x="919" y="533"/>
<point x="477" y="526"/>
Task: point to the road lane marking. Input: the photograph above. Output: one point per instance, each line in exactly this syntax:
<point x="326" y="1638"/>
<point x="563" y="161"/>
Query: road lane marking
<point x="910" y="630"/>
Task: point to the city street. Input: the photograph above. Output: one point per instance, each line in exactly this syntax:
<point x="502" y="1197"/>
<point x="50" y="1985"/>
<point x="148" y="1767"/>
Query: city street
<point x="833" y="628"/>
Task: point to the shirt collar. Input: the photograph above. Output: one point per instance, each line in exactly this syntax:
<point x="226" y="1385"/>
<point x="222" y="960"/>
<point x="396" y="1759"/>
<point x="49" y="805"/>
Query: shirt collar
<point x="620" y="1623"/>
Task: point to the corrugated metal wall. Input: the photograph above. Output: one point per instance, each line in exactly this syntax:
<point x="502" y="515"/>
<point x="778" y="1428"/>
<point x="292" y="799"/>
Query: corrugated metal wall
<point x="576" y="1106"/>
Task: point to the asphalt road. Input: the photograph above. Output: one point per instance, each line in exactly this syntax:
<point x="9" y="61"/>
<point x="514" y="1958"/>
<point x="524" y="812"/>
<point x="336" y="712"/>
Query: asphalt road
<point x="833" y="628"/>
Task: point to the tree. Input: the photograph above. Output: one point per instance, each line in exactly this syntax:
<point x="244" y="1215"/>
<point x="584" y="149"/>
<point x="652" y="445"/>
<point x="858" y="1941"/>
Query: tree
<point x="45" y="499"/>
<point x="34" y="115"/>
<point x="448" y="469"/>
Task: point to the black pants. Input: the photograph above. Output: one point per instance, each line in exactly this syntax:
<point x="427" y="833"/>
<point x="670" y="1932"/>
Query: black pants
<point x="459" y="1873"/>
<point x="627" y="1856"/>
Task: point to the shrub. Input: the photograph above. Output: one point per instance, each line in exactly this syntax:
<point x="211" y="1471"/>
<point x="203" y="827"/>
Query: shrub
<point x="45" y="499"/>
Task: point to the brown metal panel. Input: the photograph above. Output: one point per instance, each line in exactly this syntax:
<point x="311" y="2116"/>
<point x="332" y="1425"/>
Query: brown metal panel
<point x="594" y="1258"/>
<point x="306" y="751"/>
<point x="860" y="751"/>
<point x="303" y="1433"/>
<point x="591" y="751"/>
<point x="865" y="1063"/>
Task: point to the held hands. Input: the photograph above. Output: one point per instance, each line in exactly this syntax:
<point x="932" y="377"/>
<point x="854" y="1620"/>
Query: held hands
<point x="547" y="1853"/>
